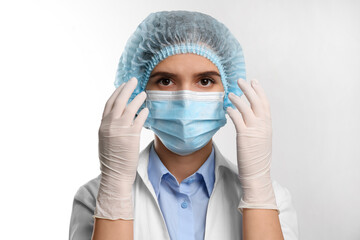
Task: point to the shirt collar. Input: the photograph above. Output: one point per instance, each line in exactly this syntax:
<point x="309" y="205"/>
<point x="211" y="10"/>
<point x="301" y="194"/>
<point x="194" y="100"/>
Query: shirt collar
<point x="156" y="170"/>
<point x="222" y="166"/>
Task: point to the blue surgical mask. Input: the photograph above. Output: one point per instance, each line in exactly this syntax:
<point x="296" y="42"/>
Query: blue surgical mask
<point x="185" y="121"/>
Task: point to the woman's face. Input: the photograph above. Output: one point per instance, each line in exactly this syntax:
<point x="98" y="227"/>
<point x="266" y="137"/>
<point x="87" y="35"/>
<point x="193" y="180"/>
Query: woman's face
<point x="186" y="71"/>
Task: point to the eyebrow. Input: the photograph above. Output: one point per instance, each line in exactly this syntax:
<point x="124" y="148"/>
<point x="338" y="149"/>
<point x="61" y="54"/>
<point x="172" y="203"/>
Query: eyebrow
<point x="207" y="73"/>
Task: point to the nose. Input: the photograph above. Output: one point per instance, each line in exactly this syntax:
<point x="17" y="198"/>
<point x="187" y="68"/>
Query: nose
<point x="185" y="84"/>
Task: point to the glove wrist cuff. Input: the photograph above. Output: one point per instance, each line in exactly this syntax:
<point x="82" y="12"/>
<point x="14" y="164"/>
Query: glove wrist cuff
<point x="114" y="207"/>
<point x="257" y="193"/>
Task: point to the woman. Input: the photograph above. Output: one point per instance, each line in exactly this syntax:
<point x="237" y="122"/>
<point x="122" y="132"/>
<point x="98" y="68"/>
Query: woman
<point x="180" y="73"/>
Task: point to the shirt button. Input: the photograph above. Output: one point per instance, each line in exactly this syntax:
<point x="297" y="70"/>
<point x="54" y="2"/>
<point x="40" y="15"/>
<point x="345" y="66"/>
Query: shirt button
<point x="184" y="205"/>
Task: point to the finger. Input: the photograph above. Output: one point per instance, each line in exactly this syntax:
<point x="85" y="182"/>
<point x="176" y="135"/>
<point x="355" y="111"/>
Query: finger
<point x="132" y="108"/>
<point x="123" y="97"/>
<point x="236" y="118"/>
<point x="244" y="109"/>
<point x="261" y="93"/>
<point x="251" y="95"/>
<point x="110" y="101"/>
<point x="141" y="118"/>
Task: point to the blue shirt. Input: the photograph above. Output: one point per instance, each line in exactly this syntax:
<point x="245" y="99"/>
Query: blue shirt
<point x="183" y="205"/>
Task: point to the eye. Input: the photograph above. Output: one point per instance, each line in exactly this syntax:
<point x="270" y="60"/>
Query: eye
<point x="206" y="82"/>
<point x="164" y="81"/>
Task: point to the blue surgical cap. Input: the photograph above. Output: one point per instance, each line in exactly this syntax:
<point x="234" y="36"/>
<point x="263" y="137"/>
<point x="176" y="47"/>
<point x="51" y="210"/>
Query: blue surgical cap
<point x="166" y="33"/>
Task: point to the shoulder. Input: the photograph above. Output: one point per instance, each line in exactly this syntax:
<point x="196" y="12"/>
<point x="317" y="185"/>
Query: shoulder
<point x="230" y="172"/>
<point x="282" y="194"/>
<point x="81" y="221"/>
<point x="288" y="215"/>
<point x="87" y="193"/>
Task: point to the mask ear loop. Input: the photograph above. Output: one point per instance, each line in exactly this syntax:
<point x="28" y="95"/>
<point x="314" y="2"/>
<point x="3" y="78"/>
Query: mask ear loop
<point x="224" y="99"/>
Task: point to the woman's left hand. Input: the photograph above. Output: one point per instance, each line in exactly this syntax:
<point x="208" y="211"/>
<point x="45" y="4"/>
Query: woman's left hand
<point x="254" y="146"/>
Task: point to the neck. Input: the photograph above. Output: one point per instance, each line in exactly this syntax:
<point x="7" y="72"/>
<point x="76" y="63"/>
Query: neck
<point x="182" y="166"/>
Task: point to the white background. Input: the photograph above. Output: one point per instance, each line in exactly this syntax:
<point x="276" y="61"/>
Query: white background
<point x="58" y="61"/>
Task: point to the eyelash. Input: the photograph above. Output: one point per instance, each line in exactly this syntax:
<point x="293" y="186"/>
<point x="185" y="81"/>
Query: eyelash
<point x="161" y="79"/>
<point x="211" y="80"/>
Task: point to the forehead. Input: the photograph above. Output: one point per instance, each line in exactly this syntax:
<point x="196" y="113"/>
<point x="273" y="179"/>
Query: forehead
<point x="186" y="62"/>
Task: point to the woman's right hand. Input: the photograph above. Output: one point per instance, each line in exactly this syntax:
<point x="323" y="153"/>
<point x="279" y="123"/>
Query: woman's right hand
<point x="119" y="141"/>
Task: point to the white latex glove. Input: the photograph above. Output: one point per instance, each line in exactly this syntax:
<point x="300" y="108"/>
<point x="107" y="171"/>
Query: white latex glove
<point x="254" y="147"/>
<point x="119" y="140"/>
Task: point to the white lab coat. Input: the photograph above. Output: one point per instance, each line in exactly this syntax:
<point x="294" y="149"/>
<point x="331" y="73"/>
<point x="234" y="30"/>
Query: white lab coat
<point x="223" y="219"/>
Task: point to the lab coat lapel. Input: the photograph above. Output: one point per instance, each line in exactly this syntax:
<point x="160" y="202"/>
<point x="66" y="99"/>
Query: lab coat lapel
<point x="223" y="219"/>
<point x="149" y="222"/>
